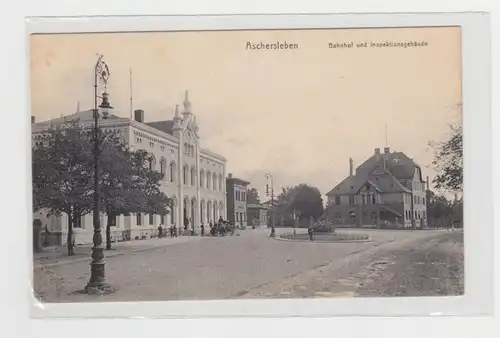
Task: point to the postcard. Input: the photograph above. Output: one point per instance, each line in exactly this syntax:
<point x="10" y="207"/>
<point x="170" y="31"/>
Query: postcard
<point x="247" y="164"/>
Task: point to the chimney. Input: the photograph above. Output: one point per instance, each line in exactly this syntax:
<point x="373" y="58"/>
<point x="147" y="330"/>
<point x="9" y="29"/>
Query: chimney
<point x="33" y="120"/>
<point x="139" y="115"/>
<point x="230" y="175"/>
<point x="387" y="150"/>
<point x="351" y="167"/>
<point x="377" y="154"/>
<point x="427" y="182"/>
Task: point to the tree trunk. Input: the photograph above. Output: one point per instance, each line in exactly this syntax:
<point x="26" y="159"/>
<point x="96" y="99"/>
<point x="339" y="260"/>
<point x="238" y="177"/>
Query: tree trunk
<point x="108" y="230"/>
<point x="69" y="240"/>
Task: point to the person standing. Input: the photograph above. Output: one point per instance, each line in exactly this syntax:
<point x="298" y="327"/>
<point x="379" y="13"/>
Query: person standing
<point x="202" y="227"/>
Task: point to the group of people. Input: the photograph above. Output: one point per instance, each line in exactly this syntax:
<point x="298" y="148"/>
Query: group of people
<point x="220" y="228"/>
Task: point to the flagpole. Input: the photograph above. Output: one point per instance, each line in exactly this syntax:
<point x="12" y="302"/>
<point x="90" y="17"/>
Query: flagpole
<point x="131" y="102"/>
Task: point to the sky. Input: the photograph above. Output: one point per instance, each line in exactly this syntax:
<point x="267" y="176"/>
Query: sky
<point x="298" y="114"/>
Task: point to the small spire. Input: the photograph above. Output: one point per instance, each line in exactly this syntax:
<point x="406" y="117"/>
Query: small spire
<point x="78" y="106"/>
<point x="187" y="104"/>
<point x="176" y="112"/>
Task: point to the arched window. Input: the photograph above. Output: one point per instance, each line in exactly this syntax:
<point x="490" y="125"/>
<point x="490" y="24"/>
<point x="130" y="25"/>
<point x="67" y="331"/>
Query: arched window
<point x="193" y="176"/>
<point x="186" y="173"/>
<point x="202" y="178"/>
<point x="173" y="206"/>
<point x="220" y="182"/>
<point x="172" y="171"/>
<point x="215" y="209"/>
<point x="163" y="167"/>
<point x="202" y="211"/>
<point x="221" y="208"/>
<point x="185" y="148"/>
<point x="214" y="178"/>
<point x="209" y="176"/>
<point x="152" y="163"/>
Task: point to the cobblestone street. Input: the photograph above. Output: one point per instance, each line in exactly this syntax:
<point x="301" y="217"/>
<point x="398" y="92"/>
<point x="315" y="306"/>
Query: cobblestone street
<point x="253" y="266"/>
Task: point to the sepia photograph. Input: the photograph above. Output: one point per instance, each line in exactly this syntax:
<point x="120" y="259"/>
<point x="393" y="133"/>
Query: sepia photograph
<point x="247" y="164"/>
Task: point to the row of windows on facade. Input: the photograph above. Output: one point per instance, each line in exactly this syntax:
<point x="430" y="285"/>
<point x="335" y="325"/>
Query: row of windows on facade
<point x="139" y="217"/>
<point x="374" y="215"/>
<point x="241" y="195"/>
<point x="188" y="148"/>
<point x="207" y="180"/>
<point x="372" y="199"/>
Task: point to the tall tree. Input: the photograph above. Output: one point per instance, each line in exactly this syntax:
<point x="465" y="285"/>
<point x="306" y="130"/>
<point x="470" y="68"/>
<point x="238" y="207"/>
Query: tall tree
<point x="62" y="174"/>
<point x="253" y="196"/>
<point x="303" y="200"/>
<point x="448" y="161"/>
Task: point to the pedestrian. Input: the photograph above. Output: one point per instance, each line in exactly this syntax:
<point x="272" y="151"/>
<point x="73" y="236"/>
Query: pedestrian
<point x="160" y="231"/>
<point x="175" y="230"/>
<point x="202" y="226"/>
<point x="171" y="231"/>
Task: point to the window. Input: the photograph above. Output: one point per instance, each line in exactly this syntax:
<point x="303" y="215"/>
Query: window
<point x="363" y="199"/>
<point x="163" y="164"/>
<point x="151" y="219"/>
<point x="193" y="176"/>
<point x="172" y="171"/>
<point x="244" y="196"/>
<point x="423" y="200"/>
<point x="208" y="179"/>
<point x="351" y="200"/>
<point x="162" y="219"/>
<point x="374" y="199"/>
<point x="139" y="219"/>
<point x="151" y="144"/>
<point x="237" y="195"/>
<point x="78" y="222"/>
<point x="185" y="172"/>
<point x="202" y="178"/>
<point x="337" y="200"/>
<point x="220" y="182"/>
<point x="214" y="178"/>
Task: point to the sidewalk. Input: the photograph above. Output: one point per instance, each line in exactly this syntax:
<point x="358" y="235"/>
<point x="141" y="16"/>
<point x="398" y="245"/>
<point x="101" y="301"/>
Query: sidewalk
<point x="59" y="255"/>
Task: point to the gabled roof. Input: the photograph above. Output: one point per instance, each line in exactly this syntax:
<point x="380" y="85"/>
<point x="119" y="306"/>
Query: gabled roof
<point x="165" y="126"/>
<point x="400" y="165"/>
<point x="379" y="178"/>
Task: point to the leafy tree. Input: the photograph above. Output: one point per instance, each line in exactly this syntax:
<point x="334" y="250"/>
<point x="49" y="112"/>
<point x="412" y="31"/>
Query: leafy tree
<point x="63" y="175"/>
<point x="253" y="196"/>
<point x="304" y="200"/>
<point x="448" y="161"/>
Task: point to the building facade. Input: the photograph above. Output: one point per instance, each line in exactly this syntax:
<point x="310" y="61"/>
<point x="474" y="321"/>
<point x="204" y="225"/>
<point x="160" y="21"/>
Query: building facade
<point x="236" y="200"/>
<point x="193" y="177"/>
<point x="256" y="215"/>
<point x="387" y="190"/>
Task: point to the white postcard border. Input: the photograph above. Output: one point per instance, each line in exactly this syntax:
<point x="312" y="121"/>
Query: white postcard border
<point x="478" y="220"/>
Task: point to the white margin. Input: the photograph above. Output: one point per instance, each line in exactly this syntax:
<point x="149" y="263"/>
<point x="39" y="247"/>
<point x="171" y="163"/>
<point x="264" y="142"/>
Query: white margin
<point x="478" y="298"/>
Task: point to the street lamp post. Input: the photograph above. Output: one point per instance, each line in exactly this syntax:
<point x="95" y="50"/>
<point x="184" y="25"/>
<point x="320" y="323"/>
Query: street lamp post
<point x="269" y="177"/>
<point x="97" y="282"/>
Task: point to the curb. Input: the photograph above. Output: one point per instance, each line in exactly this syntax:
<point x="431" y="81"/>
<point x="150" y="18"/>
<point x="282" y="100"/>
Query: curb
<point x="88" y="258"/>
<point x="330" y="242"/>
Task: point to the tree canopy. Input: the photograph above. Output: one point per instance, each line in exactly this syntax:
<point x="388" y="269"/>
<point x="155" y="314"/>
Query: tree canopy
<point x="253" y="196"/>
<point x="448" y="161"/>
<point x="302" y="200"/>
<point x="63" y="176"/>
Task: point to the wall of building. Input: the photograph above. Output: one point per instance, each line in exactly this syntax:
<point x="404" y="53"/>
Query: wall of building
<point x="203" y="203"/>
<point x="237" y="203"/>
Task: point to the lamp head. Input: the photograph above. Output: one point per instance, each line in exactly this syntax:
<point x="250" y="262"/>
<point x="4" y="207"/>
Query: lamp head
<point x="105" y="106"/>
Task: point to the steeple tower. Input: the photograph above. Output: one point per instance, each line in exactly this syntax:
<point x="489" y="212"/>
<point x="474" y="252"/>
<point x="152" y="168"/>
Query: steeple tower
<point x="187" y="104"/>
<point x="177" y="127"/>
